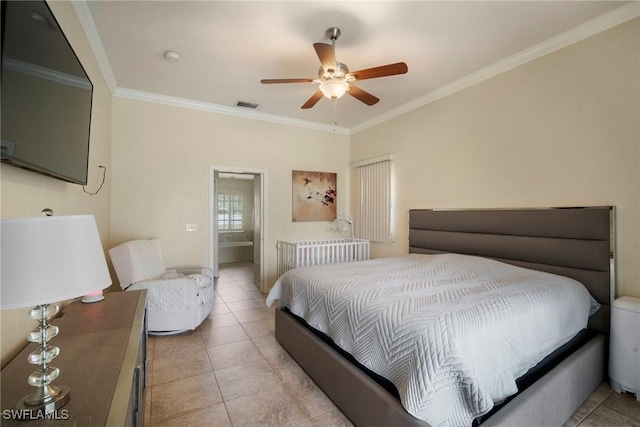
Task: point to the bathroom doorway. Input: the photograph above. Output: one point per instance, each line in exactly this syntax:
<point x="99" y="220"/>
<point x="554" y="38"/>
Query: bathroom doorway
<point x="236" y="212"/>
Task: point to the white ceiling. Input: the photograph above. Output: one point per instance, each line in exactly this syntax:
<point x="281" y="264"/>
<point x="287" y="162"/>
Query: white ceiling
<point x="226" y="47"/>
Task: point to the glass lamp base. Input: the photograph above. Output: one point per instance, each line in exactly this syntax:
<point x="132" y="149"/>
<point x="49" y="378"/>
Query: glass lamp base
<point x="47" y="399"/>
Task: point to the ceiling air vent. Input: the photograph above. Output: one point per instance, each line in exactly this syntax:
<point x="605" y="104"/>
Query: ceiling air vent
<point x="244" y="104"/>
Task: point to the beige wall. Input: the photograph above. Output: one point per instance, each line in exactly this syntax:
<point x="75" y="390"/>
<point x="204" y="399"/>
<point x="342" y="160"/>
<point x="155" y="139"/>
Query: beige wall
<point x="161" y="158"/>
<point x="562" y="130"/>
<point x="25" y="193"/>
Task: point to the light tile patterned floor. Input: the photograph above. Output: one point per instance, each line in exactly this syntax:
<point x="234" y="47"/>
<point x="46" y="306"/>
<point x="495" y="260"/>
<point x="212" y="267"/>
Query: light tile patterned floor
<point x="232" y="372"/>
<point x="606" y="408"/>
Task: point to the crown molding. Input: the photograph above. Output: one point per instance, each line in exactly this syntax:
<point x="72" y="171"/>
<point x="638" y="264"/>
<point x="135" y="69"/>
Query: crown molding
<point x="86" y="20"/>
<point x="597" y="25"/>
<point x="229" y="111"/>
<point x="89" y="26"/>
<point x="602" y="23"/>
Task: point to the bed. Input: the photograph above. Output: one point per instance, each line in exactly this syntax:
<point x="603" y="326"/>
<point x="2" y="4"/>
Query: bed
<point x="572" y="242"/>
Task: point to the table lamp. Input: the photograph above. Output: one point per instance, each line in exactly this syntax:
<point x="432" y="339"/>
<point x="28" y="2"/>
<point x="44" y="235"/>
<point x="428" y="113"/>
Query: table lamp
<point x="46" y="260"/>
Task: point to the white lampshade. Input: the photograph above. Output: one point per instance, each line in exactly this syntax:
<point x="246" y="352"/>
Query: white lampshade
<point x="334" y="89"/>
<point x="50" y="259"/>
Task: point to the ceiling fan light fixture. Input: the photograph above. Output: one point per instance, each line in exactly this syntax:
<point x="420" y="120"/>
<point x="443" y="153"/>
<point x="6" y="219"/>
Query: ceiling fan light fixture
<point x="334" y="89"/>
<point x="335" y="79"/>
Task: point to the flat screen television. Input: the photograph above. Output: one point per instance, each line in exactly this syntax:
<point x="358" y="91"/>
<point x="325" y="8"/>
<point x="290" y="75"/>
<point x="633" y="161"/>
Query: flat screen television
<point x="46" y="95"/>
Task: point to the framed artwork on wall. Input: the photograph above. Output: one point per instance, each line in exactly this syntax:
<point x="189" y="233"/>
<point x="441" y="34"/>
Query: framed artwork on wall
<point x="314" y="196"/>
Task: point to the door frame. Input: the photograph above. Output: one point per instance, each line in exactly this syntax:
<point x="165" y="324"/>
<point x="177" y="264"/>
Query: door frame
<point x="213" y="228"/>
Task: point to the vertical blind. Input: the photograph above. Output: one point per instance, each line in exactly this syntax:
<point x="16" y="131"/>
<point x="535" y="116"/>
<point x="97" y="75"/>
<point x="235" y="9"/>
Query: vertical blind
<point x="373" y="199"/>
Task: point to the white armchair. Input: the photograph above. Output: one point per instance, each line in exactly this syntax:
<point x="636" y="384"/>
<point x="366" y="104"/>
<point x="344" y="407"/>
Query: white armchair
<point x="177" y="300"/>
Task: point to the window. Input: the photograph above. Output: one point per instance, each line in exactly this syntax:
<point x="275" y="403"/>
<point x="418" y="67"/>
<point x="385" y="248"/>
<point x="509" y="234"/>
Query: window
<point x="373" y="199"/>
<point x="230" y="211"/>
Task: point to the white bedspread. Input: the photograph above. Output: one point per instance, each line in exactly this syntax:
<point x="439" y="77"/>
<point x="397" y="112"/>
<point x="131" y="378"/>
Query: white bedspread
<point x="451" y="332"/>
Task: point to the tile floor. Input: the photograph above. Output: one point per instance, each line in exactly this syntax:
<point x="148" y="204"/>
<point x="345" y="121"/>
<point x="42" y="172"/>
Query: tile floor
<point x="606" y="408"/>
<point x="232" y="372"/>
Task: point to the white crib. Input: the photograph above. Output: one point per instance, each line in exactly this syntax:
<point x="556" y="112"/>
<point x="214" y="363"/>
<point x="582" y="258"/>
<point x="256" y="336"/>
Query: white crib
<point x="316" y="252"/>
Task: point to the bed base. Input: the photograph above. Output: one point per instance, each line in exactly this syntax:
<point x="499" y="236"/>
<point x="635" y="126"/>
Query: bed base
<point x="359" y="397"/>
<point x="550" y="401"/>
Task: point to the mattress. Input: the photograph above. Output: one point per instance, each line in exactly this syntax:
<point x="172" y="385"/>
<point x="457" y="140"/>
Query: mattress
<point x="451" y="332"/>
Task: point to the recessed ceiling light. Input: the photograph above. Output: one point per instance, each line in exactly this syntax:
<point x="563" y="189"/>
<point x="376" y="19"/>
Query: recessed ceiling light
<point x="171" y="55"/>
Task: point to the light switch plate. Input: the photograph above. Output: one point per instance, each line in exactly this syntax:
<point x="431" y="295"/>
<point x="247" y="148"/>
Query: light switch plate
<point x="192" y="227"/>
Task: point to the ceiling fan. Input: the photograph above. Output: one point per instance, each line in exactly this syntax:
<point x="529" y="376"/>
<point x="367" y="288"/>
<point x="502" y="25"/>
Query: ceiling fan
<point x="334" y="77"/>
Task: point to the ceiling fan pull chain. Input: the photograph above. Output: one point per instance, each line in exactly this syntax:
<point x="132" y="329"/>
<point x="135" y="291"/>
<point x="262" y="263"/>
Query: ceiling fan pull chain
<point x="335" y="114"/>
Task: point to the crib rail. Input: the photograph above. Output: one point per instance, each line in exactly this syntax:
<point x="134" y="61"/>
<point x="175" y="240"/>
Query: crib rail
<point x="317" y="252"/>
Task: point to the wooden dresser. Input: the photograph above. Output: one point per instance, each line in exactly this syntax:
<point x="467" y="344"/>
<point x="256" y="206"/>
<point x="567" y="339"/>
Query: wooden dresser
<point x="102" y="359"/>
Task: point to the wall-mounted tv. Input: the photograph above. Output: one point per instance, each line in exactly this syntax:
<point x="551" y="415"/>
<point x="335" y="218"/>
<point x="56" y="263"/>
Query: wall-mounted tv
<point x="46" y="95"/>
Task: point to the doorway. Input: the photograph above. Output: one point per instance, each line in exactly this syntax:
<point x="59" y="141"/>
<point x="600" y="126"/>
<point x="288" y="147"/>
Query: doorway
<point x="236" y="219"/>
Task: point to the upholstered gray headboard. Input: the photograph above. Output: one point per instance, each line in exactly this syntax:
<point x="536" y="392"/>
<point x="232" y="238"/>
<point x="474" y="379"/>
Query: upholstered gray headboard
<point x="573" y="242"/>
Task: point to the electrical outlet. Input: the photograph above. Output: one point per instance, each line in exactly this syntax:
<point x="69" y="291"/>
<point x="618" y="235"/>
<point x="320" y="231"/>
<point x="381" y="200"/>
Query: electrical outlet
<point x="192" y="227"/>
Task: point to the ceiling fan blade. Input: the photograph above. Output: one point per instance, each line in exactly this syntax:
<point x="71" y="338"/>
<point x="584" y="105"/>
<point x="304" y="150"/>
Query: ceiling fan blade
<point x="362" y="95"/>
<point x="327" y="56"/>
<point x="313" y="100"/>
<point x="382" y="71"/>
<point x="270" y="81"/>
